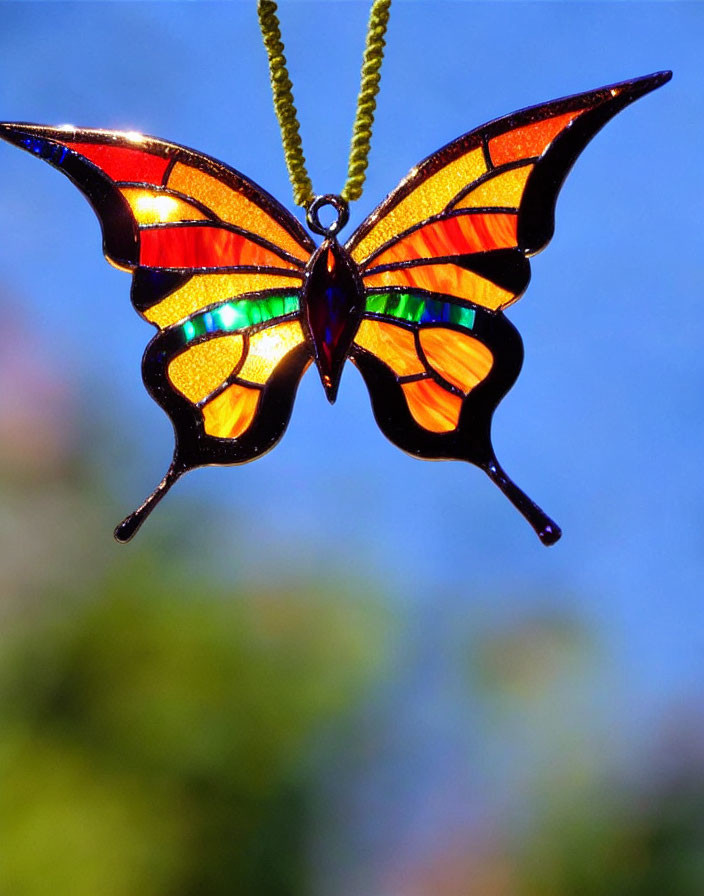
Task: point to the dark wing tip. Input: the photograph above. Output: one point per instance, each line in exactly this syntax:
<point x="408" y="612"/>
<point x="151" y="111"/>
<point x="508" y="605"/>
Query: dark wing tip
<point x="537" y="213"/>
<point x="646" y="83"/>
<point x="120" y="234"/>
<point x="15" y="131"/>
<point x="629" y="91"/>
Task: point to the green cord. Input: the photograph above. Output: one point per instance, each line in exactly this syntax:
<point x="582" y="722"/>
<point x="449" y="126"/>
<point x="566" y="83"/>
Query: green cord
<point x="286" y="110"/>
<point x="366" y="101"/>
<point x="283" y="104"/>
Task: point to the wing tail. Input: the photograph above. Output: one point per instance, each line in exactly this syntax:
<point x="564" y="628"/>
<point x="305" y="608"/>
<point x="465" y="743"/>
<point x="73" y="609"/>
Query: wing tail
<point x="547" y="529"/>
<point x="129" y="527"/>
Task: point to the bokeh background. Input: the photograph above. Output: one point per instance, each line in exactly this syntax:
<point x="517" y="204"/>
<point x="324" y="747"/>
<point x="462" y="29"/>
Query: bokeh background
<point x="338" y="670"/>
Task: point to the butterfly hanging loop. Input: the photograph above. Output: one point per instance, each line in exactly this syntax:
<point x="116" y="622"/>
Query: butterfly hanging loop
<point x="313" y="214"/>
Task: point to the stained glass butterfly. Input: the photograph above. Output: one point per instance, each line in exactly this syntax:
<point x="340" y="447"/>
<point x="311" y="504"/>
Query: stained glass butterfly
<point x="244" y="302"/>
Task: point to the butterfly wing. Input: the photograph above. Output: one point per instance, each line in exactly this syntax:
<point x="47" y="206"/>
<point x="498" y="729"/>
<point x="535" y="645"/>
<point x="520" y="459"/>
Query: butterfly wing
<point x="217" y="267"/>
<point x="441" y="257"/>
<point x="436" y="371"/>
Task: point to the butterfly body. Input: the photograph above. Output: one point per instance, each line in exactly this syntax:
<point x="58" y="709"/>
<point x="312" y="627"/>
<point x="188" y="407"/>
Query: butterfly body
<point x="332" y="306"/>
<point x="244" y="302"/>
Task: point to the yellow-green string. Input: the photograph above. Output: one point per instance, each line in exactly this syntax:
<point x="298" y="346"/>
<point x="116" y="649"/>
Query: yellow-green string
<point x="286" y="110"/>
<point x="283" y="104"/>
<point x="366" y="101"/>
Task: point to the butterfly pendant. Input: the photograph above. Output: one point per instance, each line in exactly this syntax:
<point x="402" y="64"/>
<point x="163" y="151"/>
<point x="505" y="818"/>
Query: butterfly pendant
<point x="244" y="302"/>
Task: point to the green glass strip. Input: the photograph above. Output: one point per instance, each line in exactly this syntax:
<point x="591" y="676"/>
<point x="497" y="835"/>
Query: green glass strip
<point x="419" y="310"/>
<point x="233" y="316"/>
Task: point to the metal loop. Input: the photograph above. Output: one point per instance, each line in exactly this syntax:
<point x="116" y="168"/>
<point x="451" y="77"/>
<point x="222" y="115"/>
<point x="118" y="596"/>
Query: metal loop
<point x="340" y="206"/>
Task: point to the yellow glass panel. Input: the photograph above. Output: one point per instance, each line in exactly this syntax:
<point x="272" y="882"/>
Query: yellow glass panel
<point x="431" y="406"/>
<point x="207" y="289"/>
<point x="449" y="279"/>
<point x="233" y="207"/>
<point x="504" y="189"/>
<point x="156" y="207"/>
<point x="267" y="348"/>
<point x="231" y="413"/>
<point x="200" y="369"/>
<point x="429" y="198"/>
<point x="460" y="359"/>
<point x="395" y="346"/>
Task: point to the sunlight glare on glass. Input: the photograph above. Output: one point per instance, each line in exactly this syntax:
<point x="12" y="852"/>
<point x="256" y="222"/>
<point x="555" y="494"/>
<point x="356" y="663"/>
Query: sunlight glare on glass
<point x="227" y="316"/>
<point x="158" y="208"/>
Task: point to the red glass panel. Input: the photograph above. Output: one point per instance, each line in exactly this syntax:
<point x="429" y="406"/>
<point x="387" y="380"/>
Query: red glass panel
<point x="123" y="163"/>
<point x="459" y="235"/>
<point x="203" y="247"/>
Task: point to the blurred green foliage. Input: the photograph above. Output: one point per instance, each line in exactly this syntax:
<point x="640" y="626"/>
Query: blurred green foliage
<point x="163" y="738"/>
<point x="166" y="730"/>
<point x="163" y="729"/>
<point x="612" y="839"/>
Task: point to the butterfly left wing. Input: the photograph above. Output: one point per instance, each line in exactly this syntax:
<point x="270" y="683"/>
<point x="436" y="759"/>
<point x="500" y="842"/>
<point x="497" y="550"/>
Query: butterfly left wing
<point x="227" y="377"/>
<point x="441" y="257"/>
<point x="217" y="267"/>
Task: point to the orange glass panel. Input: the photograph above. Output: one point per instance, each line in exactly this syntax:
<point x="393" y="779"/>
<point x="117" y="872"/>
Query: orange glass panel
<point x="231" y="413"/>
<point x="504" y="189"/>
<point x="460" y="359"/>
<point x="156" y="207"/>
<point x="201" y="369"/>
<point x="458" y="235"/>
<point x="208" y="289"/>
<point x="431" y="406"/>
<point x="267" y="348"/>
<point x="395" y="346"/>
<point x="447" y="279"/>
<point x="429" y="198"/>
<point x="233" y="207"/>
<point x="199" y="245"/>
<point x="528" y="141"/>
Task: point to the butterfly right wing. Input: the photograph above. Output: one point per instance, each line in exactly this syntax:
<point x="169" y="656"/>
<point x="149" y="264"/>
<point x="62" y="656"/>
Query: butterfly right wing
<point x="441" y="257"/>
<point x="436" y="369"/>
<point x="464" y="222"/>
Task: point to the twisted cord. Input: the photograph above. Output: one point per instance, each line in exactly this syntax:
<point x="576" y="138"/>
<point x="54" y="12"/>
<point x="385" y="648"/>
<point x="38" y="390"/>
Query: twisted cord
<point x="366" y="102"/>
<point x="284" y="105"/>
<point x="286" y="110"/>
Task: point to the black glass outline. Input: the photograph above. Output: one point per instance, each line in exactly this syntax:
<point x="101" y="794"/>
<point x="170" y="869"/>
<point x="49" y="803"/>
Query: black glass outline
<point x="471" y="441"/>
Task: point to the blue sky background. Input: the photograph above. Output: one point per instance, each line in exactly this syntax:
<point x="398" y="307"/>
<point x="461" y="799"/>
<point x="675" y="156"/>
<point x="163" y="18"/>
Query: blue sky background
<point x="604" y="427"/>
